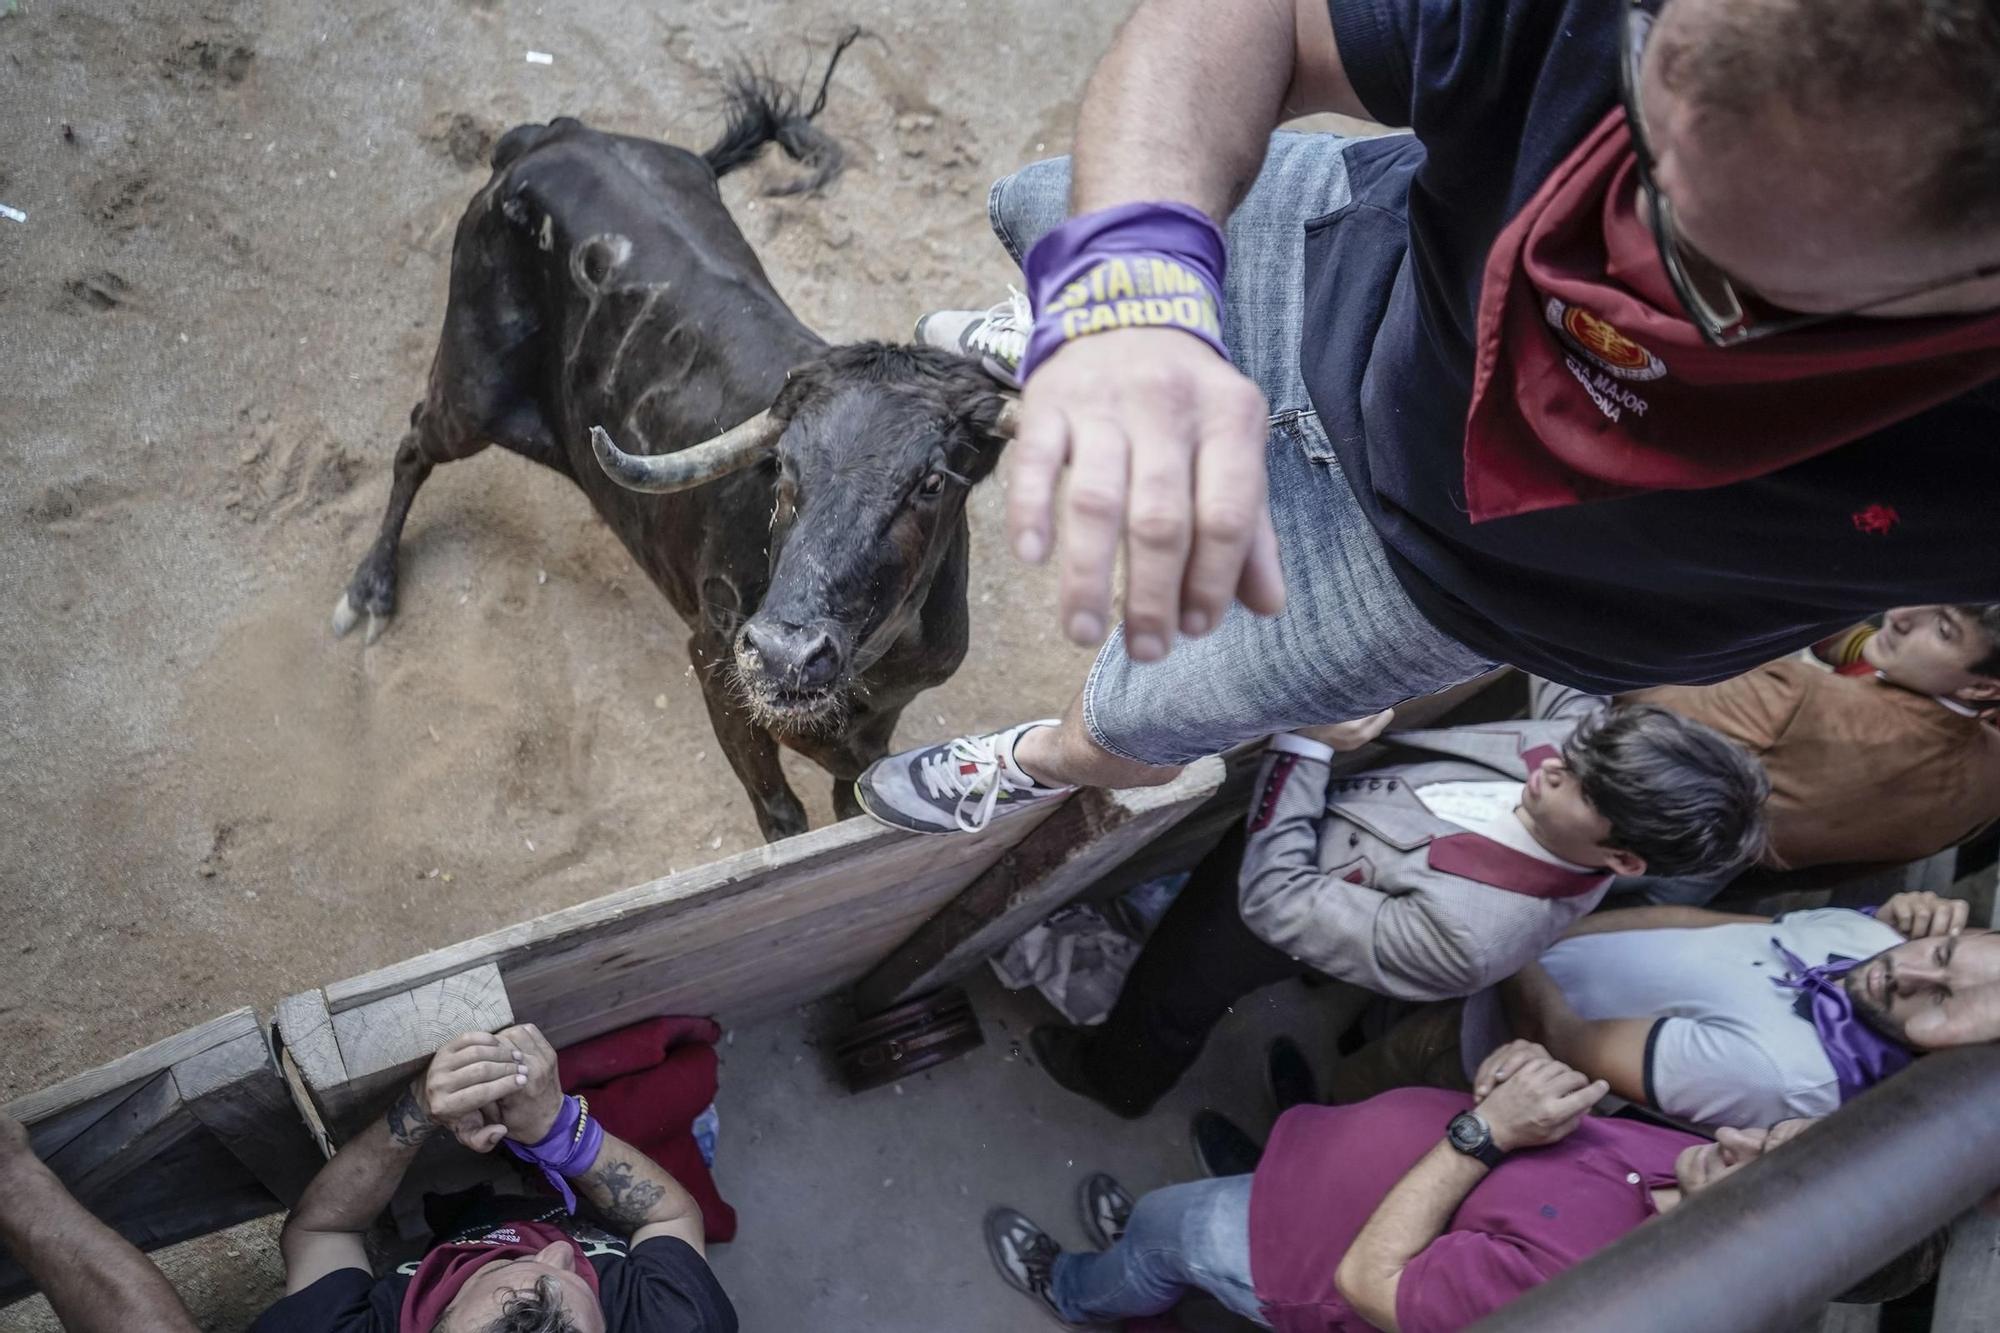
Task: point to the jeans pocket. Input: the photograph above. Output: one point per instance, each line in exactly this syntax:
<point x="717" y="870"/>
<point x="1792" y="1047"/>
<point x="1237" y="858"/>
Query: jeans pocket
<point x="1301" y="430"/>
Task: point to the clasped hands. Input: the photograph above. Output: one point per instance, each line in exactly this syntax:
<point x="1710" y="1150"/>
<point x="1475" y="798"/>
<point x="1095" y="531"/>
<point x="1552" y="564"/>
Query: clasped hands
<point x="485" y="1087"/>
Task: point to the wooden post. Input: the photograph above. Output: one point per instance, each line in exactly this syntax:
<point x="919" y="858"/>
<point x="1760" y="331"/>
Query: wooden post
<point x="1082" y="841"/>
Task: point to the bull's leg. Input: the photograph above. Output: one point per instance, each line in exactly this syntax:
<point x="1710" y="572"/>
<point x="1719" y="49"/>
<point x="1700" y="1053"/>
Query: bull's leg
<point x="751" y="751"/>
<point x="372" y="590"/>
<point x="865" y="742"/>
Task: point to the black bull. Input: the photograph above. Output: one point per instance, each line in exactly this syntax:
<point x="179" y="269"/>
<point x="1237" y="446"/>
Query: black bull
<point x="818" y="551"/>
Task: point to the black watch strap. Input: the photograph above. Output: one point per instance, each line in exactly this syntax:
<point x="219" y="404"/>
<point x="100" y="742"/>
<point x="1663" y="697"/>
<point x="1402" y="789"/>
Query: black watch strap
<point x="1469" y="1133"/>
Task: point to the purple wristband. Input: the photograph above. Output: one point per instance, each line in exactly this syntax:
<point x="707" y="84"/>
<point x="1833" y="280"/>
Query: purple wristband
<point x="1134" y="266"/>
<point x="563" y="1151"/>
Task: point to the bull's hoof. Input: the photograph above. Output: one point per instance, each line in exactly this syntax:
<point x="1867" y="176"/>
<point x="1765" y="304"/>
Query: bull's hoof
<point x="346" y="616"/>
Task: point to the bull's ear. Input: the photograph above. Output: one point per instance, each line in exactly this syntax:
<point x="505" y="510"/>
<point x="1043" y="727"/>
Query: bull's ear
<point x="983" y="406"/>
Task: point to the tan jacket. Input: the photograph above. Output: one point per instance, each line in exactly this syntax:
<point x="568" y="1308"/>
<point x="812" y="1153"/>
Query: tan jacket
<point x="1861" y="771"/>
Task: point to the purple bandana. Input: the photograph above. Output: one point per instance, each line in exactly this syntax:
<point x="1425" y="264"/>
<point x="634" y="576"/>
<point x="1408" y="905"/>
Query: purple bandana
<point x="1133" y="266"/>
<point x="570" y="1148"/>
<point x="1861" y="1056"/>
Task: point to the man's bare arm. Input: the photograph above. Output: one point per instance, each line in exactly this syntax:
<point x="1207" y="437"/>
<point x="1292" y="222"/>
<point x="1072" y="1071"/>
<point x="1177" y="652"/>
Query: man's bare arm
<point x="635" y="1193"/>
<point x="1182" y="105"/>
<point x="1162" y="440"/>
<point x="95" y="1279"/>
<point x="1611" y="1049"/>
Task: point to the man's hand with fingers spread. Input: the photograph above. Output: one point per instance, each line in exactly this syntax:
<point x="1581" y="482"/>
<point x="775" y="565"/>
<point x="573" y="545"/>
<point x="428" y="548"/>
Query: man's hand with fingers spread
<point x="1919" y="915"/>
<point x="1538" y="1103"/>
<point x="1164" y="441"/>
<point x="469" y="1075"/>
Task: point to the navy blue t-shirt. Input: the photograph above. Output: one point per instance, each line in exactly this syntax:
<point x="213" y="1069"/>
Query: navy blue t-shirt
<point x="1668" y="587"/>
<point x="659" y="1286"/>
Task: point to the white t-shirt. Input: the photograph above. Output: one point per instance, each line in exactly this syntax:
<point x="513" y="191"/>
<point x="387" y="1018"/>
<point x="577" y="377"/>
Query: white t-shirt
<point x="1731" y="1048"/>
<point x="1487" y="808"/>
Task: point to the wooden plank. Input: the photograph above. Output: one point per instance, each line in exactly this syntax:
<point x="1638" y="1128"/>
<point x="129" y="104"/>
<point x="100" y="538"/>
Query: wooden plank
<point x="237" y="1093"/>
<point x="397" y="1034"/>
<point x="302" y="1102"/>
<point x="305" y="1029"/>
<point x="1074" y="848"/>
<point x="129" y="1071"/>
<point x="144" y="1125"/>
<point x="808" y="867"/>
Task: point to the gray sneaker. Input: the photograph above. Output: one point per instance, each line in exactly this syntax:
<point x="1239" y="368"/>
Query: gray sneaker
<point x="1105" y="1208"/>
<point x="997" y="339"/>
<point x="1026" y="1257"/>
<point x="958" y="786"/>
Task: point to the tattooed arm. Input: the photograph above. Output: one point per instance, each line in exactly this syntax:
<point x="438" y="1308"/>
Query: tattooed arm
<point x="323" y="1234"/>
<point x="637" y="1196"/>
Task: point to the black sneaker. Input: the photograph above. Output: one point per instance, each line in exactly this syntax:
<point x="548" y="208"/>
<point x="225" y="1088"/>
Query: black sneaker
<point x="1288" y="1077"/>
<point x="1059" y="1051"/>
<point x="955" y="787"/>
<point x="1026" y="1257"/>
<point x="1220" y="1148"/>
<point x="1105" y="1208"/>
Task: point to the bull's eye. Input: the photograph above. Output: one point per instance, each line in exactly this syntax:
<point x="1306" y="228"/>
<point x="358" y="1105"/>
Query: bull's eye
<point x="931" y="486"/>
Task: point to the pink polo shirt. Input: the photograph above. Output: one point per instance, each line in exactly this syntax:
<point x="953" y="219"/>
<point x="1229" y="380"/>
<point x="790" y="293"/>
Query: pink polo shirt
<point x="1537" y="1213"/>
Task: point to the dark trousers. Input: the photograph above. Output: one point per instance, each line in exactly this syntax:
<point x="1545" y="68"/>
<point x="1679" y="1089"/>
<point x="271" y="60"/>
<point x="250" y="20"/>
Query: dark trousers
<point x="1200" y="960"/>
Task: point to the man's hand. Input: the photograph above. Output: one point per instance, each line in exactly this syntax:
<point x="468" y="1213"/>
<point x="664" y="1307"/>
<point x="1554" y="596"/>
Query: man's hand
<point x="465" y="1079"/>
<point x="1165" y="446"/>
<point x="1539" y="1103"/>
<point x="1921" y="915"/>
<point x="1968" y="1015"/>
<point x="531" y="1110"/>
<point x="1345" y="736"/>
<point x="1500" y="1066"/>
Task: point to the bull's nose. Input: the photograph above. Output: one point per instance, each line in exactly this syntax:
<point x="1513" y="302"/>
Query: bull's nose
<point x="795" y="656"/>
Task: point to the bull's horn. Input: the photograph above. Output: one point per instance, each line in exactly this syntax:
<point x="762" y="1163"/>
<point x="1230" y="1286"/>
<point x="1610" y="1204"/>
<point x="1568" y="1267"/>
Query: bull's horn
<point x="1009" y="419"/>
<point x="662" y="474"/>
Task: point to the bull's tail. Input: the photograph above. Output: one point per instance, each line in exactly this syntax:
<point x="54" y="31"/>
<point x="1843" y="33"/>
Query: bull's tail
<point x="761" y="110"/>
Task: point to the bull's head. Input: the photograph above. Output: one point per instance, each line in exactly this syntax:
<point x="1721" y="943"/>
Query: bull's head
<point x="876" y="447"/>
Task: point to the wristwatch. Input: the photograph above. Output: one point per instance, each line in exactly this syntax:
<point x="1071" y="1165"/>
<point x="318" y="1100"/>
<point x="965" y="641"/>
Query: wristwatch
<point x="1470" y="1134"/>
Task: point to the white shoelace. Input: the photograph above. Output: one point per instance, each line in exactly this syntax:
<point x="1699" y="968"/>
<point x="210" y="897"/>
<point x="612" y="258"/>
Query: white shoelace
<point x="1004" y="331"/>
<point x="944" y="775"/>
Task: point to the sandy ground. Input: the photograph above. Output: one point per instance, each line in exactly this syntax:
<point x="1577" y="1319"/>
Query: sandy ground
<point x="212" y="327"/>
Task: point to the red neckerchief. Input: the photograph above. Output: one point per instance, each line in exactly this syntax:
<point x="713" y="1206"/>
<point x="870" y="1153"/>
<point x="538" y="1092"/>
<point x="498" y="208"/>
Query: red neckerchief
<point x="1590" y="382"/>
<point x="446" y="1268"/>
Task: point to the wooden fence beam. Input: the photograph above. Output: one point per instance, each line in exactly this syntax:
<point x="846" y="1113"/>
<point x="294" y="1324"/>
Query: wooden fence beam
<point x="237" y="1093"/>
<point x="1086" y="838"/>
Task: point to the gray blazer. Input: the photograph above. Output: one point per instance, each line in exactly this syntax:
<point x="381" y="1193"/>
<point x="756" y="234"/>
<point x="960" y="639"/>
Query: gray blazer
<point x="1354" y="876"/>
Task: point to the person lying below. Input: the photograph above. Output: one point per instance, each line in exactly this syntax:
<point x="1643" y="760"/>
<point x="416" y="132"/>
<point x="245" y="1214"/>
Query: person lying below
<point x="1717" y="1019"/>
<point x="1879" y="743"/>
<point x="96" y="1281"/>
<point x="508" y="1264"/>
<point x="1418" y="1210"/>
<point x="1433" y="874"/>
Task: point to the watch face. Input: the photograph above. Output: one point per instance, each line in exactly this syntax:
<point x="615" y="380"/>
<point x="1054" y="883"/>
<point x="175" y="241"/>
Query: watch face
<point x="1467" y="1131"/>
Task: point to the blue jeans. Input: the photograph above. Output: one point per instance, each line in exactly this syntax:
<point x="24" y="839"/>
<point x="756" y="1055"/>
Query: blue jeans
<point x="1193" y="1235"/>
<point x="1350" y="642"/>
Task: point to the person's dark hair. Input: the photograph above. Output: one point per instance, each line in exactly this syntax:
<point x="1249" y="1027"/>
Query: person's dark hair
<point x="1935" y="62"/>
<point x="1987" y="620"/>
<point x="537" y="1310"/>
<point x="1901" y="1275"/>
<point x="1680" y="794"/>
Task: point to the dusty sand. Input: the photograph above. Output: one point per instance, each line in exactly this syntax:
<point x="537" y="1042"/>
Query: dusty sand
<point x="212" y="327"/>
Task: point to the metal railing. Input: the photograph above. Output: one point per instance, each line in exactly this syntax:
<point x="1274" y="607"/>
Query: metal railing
<point x="1769" y="1246"/>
